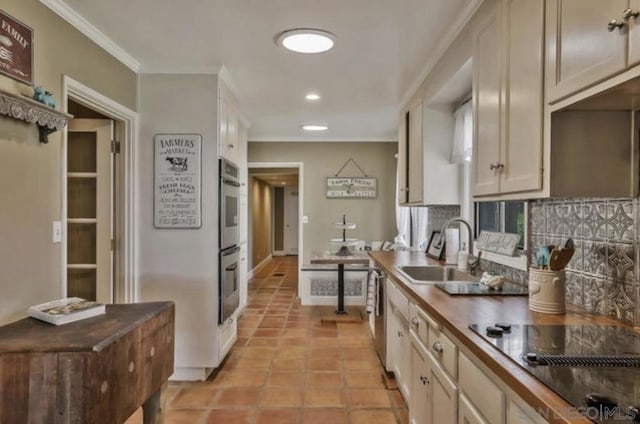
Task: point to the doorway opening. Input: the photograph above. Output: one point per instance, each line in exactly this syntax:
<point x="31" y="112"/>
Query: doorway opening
<point x="98" y="204"/>
<point x="275" y="209"/>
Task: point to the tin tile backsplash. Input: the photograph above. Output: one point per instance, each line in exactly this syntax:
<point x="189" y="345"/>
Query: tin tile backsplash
<point x="603" y="276"/>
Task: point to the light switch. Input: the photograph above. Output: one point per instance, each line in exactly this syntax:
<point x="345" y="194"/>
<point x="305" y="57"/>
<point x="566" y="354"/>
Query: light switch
<point x="57" y="231"/>
<point x="305" y="219"/>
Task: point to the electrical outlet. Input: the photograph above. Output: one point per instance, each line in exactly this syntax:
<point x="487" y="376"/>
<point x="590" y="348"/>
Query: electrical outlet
<point x="57" y="232"/>
<point x="305" y="219"/>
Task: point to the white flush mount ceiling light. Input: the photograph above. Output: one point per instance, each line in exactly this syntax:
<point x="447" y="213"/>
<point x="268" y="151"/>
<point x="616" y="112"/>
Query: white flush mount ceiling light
<point x="312" y="97"/>
<point x="315" y="127"/>
<point x="306" y="40"/>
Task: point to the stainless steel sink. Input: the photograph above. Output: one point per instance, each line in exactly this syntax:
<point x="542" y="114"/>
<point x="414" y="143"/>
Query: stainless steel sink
<point x="429" y="274"/>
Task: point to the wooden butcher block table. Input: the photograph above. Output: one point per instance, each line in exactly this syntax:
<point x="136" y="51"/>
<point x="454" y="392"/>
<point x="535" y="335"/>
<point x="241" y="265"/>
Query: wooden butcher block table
<point x="97" y="370"/>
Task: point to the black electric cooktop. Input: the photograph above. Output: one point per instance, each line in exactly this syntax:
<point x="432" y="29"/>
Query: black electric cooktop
<point x="458" y="288"/>
<point x="594" y="368"/>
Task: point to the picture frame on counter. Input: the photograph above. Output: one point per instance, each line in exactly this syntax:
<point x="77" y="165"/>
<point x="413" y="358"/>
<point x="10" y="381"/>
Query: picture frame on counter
<point x="435" y="248"/>
<point x="177" y="181"/>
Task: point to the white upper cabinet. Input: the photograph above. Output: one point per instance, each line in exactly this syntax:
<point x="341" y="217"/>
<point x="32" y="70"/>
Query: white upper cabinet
<point x="587" y="42"/>
<point x="508" y="100"/>
<point x="486" y="116"/>
<point x="426" y="176"/>
<point x="228" y="127"/>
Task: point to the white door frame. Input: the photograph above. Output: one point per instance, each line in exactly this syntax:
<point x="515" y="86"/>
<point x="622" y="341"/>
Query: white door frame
<point x="285" y="215"/>
<point x="127" y="289"/>
<point x="300" y="167"/>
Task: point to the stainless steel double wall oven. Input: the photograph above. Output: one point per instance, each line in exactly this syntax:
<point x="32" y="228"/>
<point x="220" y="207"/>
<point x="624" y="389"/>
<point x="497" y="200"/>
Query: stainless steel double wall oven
<point x="229" y="255"/>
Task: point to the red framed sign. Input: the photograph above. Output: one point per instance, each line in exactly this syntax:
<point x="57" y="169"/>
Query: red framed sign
<point x="16" y="49"/>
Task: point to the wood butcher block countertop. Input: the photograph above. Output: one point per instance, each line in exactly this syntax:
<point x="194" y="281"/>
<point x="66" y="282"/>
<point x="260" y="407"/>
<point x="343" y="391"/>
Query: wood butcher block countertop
<point x="455" y="313"/>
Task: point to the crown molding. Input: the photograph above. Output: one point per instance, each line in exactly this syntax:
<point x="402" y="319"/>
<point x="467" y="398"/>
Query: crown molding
<point x="181" y="70"/>
<point x="94" y="34"/>
<point x="441" y="48"/>
<point x="303" y="139"/>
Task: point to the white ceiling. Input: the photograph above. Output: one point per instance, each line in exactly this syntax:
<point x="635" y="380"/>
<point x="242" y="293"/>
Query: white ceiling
<point x="382" y="51"/>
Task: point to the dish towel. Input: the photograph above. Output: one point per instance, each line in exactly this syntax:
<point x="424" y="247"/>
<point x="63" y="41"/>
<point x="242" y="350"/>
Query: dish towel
<point x="372" y="290"/>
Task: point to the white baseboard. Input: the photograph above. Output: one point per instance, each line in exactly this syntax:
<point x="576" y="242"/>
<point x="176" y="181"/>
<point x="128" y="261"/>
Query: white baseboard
<point x="190" y="374"/>
<point x="257" y="267"/>
<point x="279" y="253"/>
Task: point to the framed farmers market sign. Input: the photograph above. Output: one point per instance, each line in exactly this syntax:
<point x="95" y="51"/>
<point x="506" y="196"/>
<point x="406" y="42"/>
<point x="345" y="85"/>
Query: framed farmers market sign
<point x="177" y="181"/>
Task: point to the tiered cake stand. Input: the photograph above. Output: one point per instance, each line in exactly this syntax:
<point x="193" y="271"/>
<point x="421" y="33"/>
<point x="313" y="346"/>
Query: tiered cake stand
<point x="344" y="242"/>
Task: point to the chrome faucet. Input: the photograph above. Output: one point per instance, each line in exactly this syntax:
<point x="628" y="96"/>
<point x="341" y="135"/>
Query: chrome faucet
<point x="473" y="261"/>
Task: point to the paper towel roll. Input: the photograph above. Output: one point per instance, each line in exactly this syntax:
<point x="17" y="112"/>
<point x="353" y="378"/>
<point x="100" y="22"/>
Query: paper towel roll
<point x="452" y="246"/>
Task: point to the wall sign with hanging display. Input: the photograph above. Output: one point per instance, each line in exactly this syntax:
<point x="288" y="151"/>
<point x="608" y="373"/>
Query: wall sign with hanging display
<point x="177" y="181"/>
<point x="16" y="49"/>
<point x="363" y="187"/>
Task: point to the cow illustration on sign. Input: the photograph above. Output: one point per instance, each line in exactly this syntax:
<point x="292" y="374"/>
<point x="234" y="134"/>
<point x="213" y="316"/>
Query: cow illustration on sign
<point x="178" y="164"/>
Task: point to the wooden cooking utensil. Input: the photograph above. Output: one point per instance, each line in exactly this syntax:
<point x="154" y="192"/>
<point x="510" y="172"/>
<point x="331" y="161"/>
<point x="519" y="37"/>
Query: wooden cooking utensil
<point x="554" y="258"/>
<point x="564" y="258"/>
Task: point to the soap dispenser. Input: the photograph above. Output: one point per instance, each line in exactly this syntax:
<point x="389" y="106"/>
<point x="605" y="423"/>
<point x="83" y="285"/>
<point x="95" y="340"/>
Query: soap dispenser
<point x="463" y="258"/>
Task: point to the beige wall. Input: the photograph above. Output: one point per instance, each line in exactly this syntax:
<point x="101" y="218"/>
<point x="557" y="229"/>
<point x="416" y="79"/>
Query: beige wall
<point x="30" y="264"/>
<point x="460" y="50"/>
<point x="181" y="264"/>
<point x="375" y="217"/>
<point x="261" y="212"/>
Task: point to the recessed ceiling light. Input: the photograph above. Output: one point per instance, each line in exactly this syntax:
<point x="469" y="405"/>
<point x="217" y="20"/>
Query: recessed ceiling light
<point x="312" y="97"/>
<point x="306" y="40"/>
<point x="315" y="127"/>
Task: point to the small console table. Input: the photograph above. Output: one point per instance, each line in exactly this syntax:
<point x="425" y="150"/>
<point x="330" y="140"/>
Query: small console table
<point x="96" y="370"/>
<point x="357" y="258"/>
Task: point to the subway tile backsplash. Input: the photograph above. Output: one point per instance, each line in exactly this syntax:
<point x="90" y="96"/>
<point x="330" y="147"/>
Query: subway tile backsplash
<point x="603" y="275"/>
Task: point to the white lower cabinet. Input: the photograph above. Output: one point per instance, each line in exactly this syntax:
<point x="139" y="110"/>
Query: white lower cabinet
<point x="420" y="401"/>
<point x="468" y="414"/>
<point x="444" y="395"/>
<point x="518" y="414"/>
<point x="434" y="395"/>
<point x="445" y="384"/>
<point x="398" y="342"/>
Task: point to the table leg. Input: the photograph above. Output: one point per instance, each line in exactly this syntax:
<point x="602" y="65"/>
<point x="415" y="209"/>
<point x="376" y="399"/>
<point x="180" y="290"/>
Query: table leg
<point x="153" y="408"/>
<point x="340" y="310"/>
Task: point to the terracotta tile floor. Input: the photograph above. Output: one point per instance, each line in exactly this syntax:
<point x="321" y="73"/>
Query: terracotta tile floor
<point x="289" y="367"/>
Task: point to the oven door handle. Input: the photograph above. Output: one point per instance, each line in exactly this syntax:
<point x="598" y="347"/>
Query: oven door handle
<point x="231" y="251"/>
<point x="232" y="267"/>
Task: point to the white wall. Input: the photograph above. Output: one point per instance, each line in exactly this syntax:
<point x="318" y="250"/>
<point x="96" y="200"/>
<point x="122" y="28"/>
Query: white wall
<point x="181" y="264"/>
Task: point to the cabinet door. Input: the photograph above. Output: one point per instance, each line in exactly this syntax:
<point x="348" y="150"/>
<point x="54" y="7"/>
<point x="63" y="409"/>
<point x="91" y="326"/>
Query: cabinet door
<point x="521" y="150"/>
<point x="444" y="395"/>
<point x="468" y="414"/>
<point x="517" y="415"/>
<point x="403" y="176"/>
<point x="223" y="130"/>
<point x="487" y="106"/>
<point x="232" y="134"/>
<point x="420" y="400"/>
<point x="404" y="359"/>
<point x="392" y="337"/>
<point x="414" y="153"/>
<point x="634" y="34"/>
<point x="580" y="49"/>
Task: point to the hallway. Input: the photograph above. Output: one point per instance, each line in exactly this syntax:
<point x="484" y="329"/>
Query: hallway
<point x="289" y="367"/>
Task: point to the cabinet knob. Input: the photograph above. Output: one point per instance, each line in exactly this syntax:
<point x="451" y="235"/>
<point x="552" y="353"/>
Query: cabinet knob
<point x="437" y="347"/>
<point x="404" y="189"/>
<point x="415" y="321"/>
<point x="630" y="13"/>
<point x="613" y="24"/>
<point x="496" y="166"/>
<point x="400" y="333"/>
<point x="424" y="380"/>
